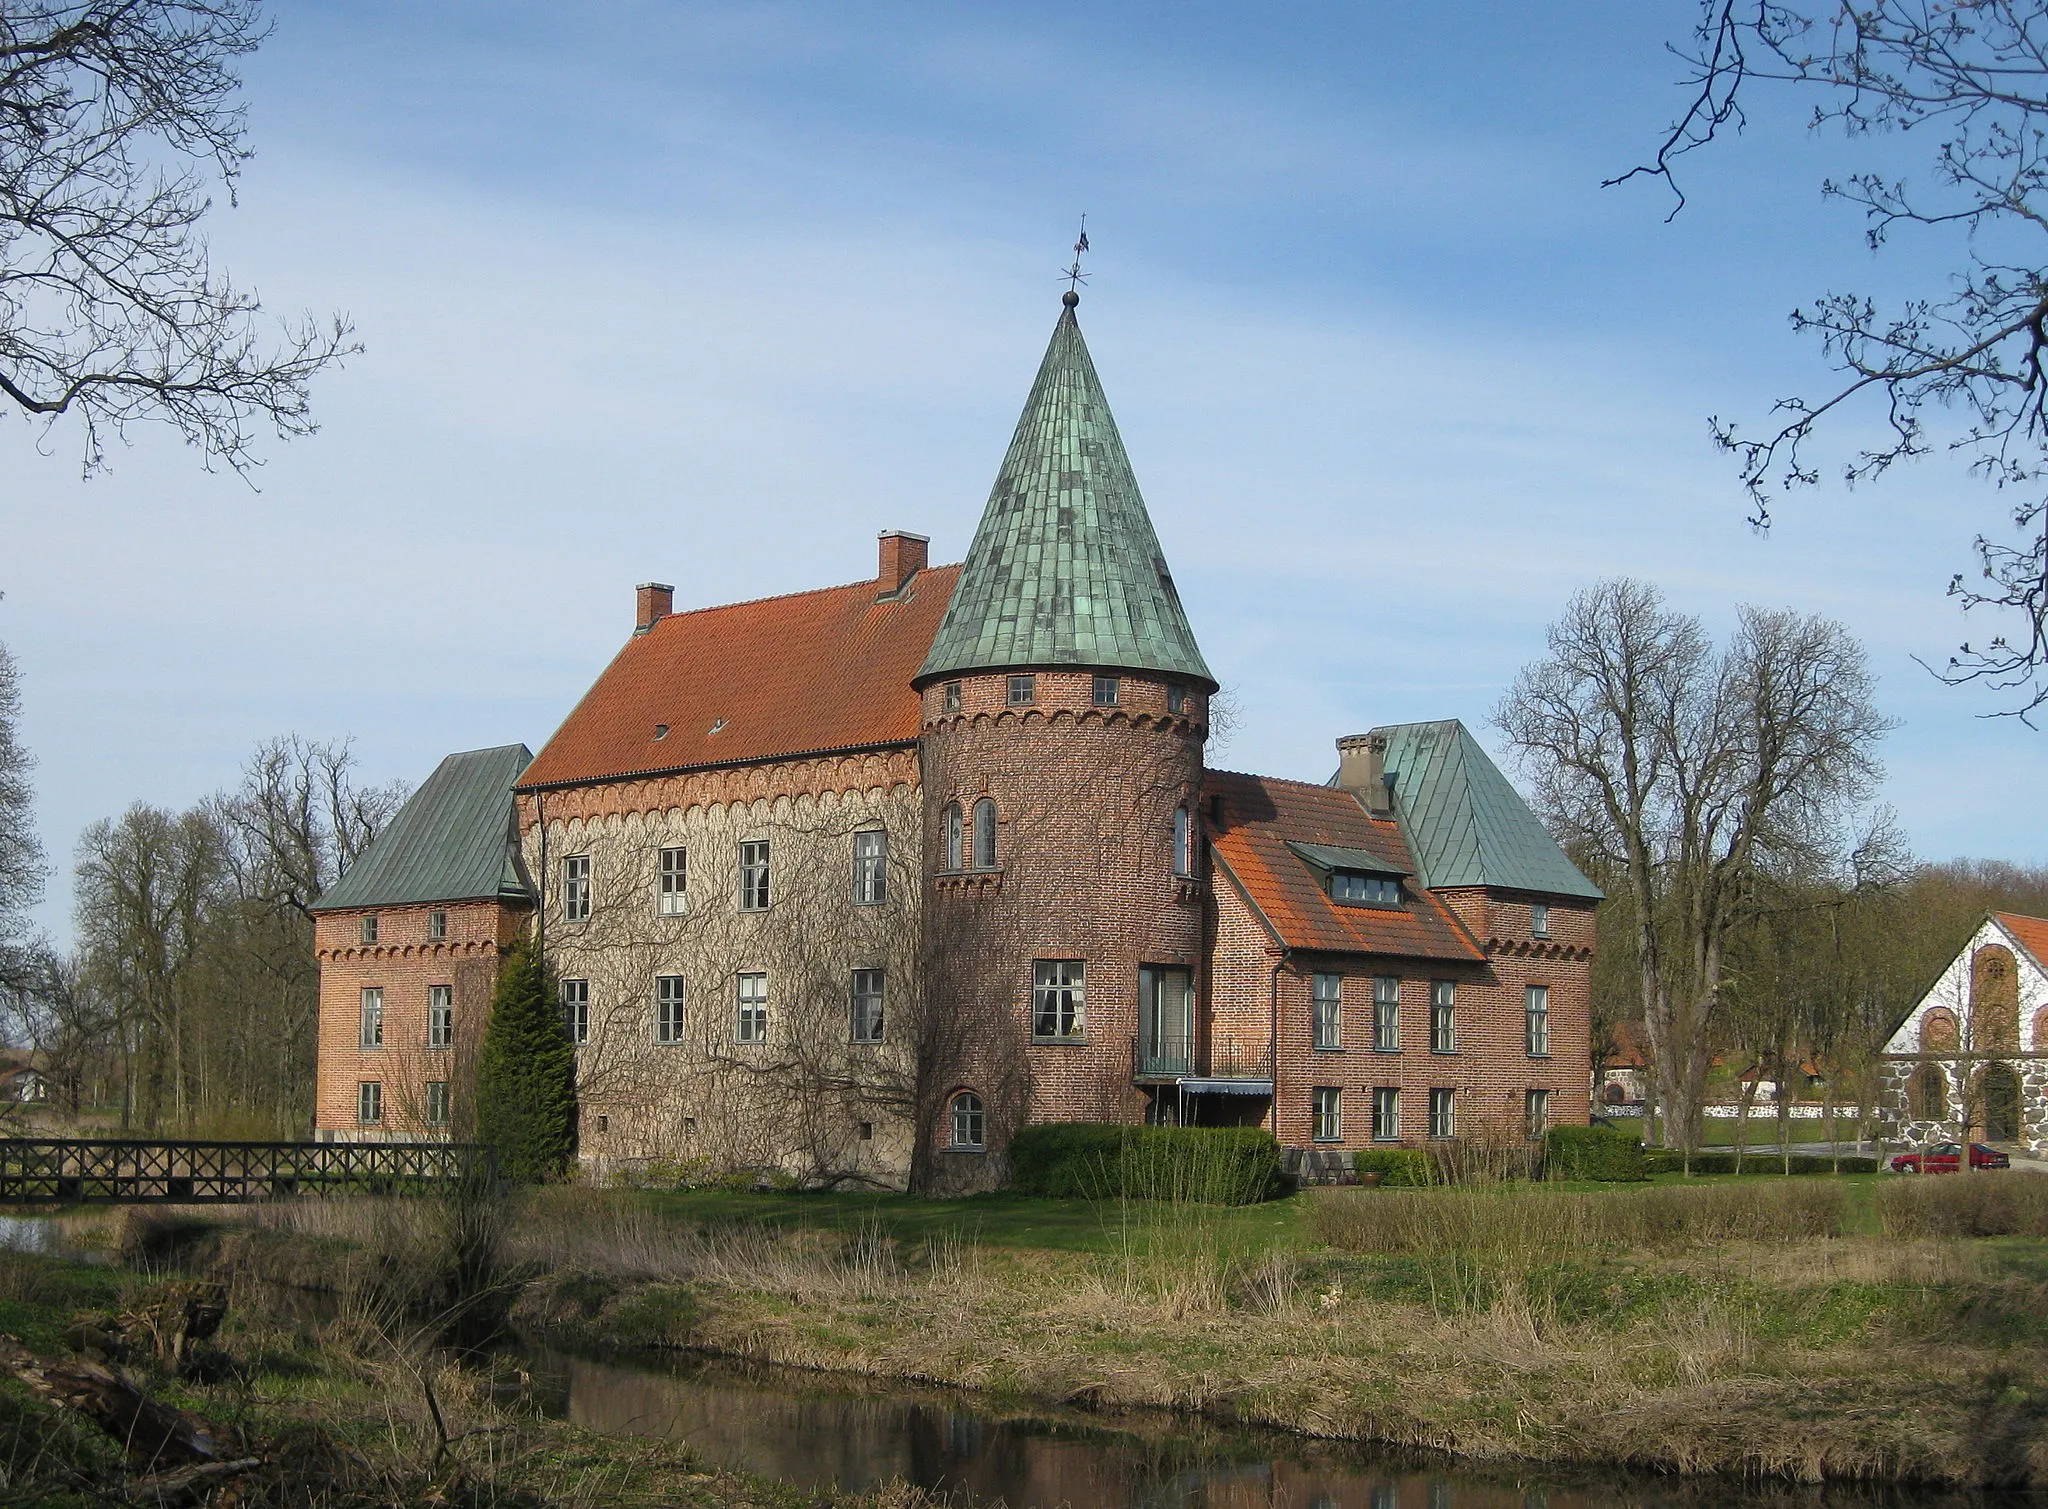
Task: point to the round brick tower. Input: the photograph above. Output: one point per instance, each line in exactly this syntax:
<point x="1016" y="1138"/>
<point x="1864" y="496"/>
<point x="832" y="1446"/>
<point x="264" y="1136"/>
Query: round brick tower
<point x="1065" y="713"/>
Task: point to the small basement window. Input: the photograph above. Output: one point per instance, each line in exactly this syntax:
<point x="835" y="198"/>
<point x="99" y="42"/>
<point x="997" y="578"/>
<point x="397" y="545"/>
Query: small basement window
<point x="1368" y="890"/>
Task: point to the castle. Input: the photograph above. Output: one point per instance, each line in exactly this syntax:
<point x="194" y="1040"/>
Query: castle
<point x="853" y="883"/>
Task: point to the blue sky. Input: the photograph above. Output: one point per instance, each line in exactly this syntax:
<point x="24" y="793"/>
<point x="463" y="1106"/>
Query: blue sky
<point x="711" y="293"/>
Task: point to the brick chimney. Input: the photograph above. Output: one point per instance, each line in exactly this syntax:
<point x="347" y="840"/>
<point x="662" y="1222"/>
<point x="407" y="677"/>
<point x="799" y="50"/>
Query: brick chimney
<point x="1362" y="771"/>
<point x="652" y="602"/>
<point x="903" y="555"/>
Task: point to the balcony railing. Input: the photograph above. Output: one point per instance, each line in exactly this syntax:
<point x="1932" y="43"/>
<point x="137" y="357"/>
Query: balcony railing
<point x="1157" y="1058"/>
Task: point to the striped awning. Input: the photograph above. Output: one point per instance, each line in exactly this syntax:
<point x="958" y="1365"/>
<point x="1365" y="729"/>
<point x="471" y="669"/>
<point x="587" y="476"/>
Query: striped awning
<point x="1227" y="1086"/>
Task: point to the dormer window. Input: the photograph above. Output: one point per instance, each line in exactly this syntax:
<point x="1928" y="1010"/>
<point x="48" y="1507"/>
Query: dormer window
<point x="1364" y="890"/>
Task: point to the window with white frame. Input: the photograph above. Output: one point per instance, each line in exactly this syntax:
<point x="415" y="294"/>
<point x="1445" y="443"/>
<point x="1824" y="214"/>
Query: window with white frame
<point x="1386" y="1014"/>
<point x="953" y="838"/>
<point x="870" y="868"/>
<point x="437" y="1102"/>
<point x="1536" y="1111"/>
<point x="576" y="888"/>
<point x="1536" y="1007"/>
<point x="576" y="1010"/>
<point x="370" y="929"/>
<point x="1183" y="843"/>
<point x="984" y="834"/>
<point x="1443" y="1010"/>
<point x="1327" y="995"/>
<point x="1386" y="1114"/>
<point x="440" y="1016"/>
<point x="754" y="875"/>
<point x="1539" y="919"/>
<point x="865" y="1015"/>
<point x="370" y="1102"/>
<point x="1327" y="1105"/>
<point x="1443" y="1114"/>
<point x="672" y="883"/>
<point x="1058" y="1009"/>
<point x="969" y="1128"/>
<point x="751" y="1025"/>
<point x="1364" y="890"/>
<point x="373" y="1016"/>
<point x="668" y="1009"/>
<point x="437" y="925"/>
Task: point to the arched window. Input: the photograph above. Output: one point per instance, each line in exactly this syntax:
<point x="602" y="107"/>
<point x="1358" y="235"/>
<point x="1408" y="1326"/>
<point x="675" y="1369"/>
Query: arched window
<point x="984" y="834"/>
<point x="1183" y="843"/>
<point x="1930" y="1093"/>
<point x="2000" y="1091"/>
<point x="1994" y="1000"/>
<point x="951" y="823"/>
<point x="968" y="1128"/>
<point x="1938" y="1031"/>
<point x="2040" y="1043"/>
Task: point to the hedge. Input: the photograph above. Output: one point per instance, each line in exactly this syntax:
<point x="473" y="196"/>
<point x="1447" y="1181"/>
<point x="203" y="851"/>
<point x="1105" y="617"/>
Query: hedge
<point x="1088" y="1160"/>
<point x="1669" y="1161"/>
<point x="1606" y="1154"/>
<point x="1397" y="1167"/>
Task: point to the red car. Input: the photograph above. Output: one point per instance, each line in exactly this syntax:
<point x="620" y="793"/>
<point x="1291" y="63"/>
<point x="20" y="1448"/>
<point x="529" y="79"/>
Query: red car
<point x="1946" y="1158"/>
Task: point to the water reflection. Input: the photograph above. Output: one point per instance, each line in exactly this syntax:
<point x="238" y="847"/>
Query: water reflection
<point x="816" y="1433"/>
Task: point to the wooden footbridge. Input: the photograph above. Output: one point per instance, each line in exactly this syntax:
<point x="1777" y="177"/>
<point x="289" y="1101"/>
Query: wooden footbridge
<point x="68" y="1170"/>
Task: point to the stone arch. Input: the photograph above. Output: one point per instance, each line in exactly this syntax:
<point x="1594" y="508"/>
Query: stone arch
<point x="1929" y="1092"/>
<point x="1999" y="1089"/>
<point x="1938" y="1031"/>
<point x="2040" y="1043"/>
<point x="1994" y="1000"/>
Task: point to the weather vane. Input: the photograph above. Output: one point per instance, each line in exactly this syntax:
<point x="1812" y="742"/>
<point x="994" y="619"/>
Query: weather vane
<point x="1074" y="276"/>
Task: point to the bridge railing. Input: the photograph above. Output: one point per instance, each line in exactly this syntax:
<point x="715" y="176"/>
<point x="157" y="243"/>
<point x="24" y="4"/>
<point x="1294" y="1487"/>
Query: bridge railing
<point x="133" y="1171"/>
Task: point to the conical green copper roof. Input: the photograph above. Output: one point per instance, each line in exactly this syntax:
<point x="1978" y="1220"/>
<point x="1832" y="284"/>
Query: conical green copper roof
<point x="1065" y="569"/>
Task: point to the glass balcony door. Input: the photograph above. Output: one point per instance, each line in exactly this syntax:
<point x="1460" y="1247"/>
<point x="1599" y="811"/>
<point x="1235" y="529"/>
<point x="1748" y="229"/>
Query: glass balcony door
<point x="1166" y="1021"/>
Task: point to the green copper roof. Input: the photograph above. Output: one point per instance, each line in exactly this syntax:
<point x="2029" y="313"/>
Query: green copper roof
<point x="454" y="839"/>
<point x="1466" y="826"/>
<point x="1065" y="569"/>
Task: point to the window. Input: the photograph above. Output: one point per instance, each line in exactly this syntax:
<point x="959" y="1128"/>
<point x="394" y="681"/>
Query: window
<point x="867" y="1131"/>
<point x="1107" y="690"/>
<point x="668" y="1009"/>
<point x="437" y="1102"/>
<point x="984" y="834"/>
<point x="576" y="888"/>
<point x="1442" y="1113"/>
<point x="866" y="1023"/>
<point x="373" y="1017"/>
<point x="968" y="1128"/>
<point x="576" y="1010"/>
<point x="1539" y="920"/>
<point x="1327" y="992"/>
<point x="1023" y="690"/>
<point x="1536" y="1000"/>
<point x="870" y="868"/>
<point x="1183" y="843"/>
<point x="949" y="696"/>
<point x="1176" y="698"/>
<point x="437" y="926"/>
<point x="1536" y="1113"/>
<point x="1058" y="1010"/>
<point x="950" y="822"/>
<point x="672" y="887"/>
<point x="754" y="875"/>
<point x="370" y="1102"/>
<point x="1443" y="1004"/>
<point x="369" y="930"/>
<point x="440" y="1016"/>
<point x="1386" y="1014"/>
<point x="1364" y="890"/>
<point x="752" y="1024"/>
<point x="1386" y="1114"/>
<point x="1328" y="1106"/>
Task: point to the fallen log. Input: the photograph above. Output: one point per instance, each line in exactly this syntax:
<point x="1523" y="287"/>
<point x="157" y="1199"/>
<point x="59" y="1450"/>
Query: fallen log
<point x="187" y="1485"/>
<point x="155" y="1436"/>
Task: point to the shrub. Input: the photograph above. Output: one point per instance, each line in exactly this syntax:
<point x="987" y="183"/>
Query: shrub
<point x="1606" y="1154"/>
<point x="526" y="1073"/>
<point x="1669" y="1161"/>
<point x="1981" y="1204"/>
<point x="1090" y="1160"/>
<point x="1398" y="1167"/>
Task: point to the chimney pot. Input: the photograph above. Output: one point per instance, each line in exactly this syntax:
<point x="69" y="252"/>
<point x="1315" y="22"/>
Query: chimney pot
<point x="652" y="602"/>
<point x="903" y="555"/>
<point x="1362" y="771"/>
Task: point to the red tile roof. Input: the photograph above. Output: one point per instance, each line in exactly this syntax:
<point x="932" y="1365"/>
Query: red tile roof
<point x="1261" y="814"/>
<point x="2032" y="933"/>
<point x="776" y="677"/>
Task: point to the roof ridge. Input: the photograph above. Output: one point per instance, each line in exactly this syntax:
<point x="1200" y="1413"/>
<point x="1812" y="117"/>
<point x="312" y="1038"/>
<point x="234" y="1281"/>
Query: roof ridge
<point x="783" y="597"/>
<point x="1287" y="780"/>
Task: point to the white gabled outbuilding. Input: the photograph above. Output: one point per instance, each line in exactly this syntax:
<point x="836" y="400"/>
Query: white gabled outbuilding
<point x="1972" y="1055"/>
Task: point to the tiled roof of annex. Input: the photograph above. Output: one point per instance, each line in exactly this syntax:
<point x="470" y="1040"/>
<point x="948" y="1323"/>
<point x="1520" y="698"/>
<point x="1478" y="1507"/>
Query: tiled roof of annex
<point x="1261" y="815"/>
<point x="775" y="678"/>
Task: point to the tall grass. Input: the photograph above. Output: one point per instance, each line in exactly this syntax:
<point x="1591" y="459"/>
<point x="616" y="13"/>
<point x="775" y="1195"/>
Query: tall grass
<point x="1965" y="1205"/>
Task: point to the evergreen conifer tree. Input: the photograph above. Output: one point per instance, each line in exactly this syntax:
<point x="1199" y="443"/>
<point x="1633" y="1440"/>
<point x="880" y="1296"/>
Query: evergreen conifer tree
<point x="526" y="1073"/>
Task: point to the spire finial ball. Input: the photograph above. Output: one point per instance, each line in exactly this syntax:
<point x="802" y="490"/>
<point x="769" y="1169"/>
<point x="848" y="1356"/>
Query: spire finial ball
<point x="1070" y="298"/>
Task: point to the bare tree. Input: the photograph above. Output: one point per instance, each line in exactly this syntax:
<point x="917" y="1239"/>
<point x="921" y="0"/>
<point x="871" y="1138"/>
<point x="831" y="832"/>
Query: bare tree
<point x="21" y="851"/>
<point x="110" y="308"/>
<point x="1960" y="368"/>
<point x="1695" y="773"/>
